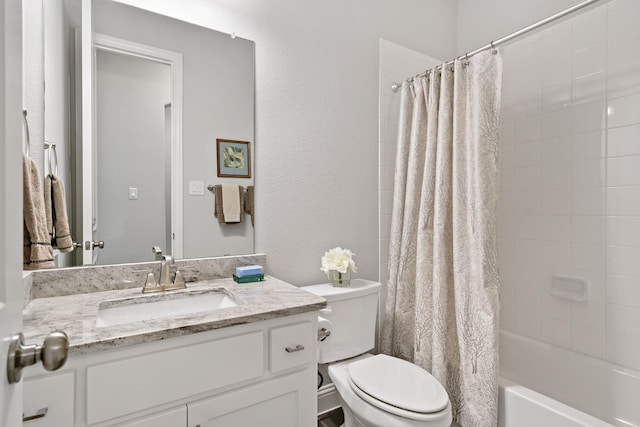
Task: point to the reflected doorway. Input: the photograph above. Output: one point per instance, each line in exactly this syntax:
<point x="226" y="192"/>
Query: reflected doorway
<point x="132" y="198"/>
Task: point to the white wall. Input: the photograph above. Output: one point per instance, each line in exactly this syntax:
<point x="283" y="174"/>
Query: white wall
<point x="33" y="75"/>
<point x="569" y="205"/>
<point x="317" y="116"/>
<point x="480" y="22"/>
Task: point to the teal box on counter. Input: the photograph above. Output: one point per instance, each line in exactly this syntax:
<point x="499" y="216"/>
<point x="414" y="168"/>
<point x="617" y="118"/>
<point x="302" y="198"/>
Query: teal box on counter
<point x="249" y="270"/>
<point x="249" y="279"/>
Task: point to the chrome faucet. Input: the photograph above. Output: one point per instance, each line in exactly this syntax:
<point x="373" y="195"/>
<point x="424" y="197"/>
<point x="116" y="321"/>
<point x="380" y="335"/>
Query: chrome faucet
<point x="164" y="283"/>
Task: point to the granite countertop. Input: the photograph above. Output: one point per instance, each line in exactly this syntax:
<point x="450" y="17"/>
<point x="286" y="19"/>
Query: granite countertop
<point x="76" y="314"/>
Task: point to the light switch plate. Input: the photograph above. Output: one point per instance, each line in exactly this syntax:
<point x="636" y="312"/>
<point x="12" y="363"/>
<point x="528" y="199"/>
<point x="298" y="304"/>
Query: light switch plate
<point x="196" y="188"/>
<point x="133" y="193"/>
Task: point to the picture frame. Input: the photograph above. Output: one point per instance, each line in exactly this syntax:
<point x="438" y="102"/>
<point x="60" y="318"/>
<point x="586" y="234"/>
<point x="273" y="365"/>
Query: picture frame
<point x="234" y="158"/>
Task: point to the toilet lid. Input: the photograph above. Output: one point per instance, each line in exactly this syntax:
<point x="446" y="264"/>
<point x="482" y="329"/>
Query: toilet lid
<point x="398" y="383"/>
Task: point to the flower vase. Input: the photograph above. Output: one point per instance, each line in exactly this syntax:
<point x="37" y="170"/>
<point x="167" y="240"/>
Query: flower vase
<point x="340" y="279"/>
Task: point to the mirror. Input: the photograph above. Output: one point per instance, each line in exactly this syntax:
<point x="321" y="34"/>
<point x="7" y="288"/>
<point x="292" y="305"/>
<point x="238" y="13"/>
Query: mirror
<point x="138" y="149"/>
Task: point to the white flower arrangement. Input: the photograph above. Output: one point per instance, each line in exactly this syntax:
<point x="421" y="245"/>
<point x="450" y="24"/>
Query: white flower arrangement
<point x="338" y="259"/>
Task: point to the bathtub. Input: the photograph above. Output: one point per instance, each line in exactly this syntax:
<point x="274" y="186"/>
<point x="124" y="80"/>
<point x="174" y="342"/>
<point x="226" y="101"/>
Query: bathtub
<point x="537" y="376"/>
<point x="523" y="407"/>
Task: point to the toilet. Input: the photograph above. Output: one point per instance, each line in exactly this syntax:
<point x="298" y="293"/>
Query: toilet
<point x="374" y="390"/>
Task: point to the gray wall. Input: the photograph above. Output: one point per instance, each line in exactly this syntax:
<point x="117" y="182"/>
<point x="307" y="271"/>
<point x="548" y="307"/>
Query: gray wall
<point x="218" y="103"/>
<point x="130" y="97"/>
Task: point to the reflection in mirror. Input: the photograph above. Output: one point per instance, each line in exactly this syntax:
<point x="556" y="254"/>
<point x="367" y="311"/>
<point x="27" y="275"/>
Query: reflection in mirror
<point x="153" y="139"/>
<point x="133" y="134"/>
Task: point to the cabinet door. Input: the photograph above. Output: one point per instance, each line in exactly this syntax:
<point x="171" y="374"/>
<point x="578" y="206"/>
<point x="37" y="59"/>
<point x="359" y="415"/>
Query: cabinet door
<point x="125" y="386"/>
<point x="173" y="418"/>
<point x="48" y="401"/>
<point x="292" y="346"/>
<point x="282" y="402"/>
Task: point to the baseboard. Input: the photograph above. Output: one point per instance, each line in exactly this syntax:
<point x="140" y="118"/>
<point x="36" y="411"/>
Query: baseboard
<point x="327" y="399"/>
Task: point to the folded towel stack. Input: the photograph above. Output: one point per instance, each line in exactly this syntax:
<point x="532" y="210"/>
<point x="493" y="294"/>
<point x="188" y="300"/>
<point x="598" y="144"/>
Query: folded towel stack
<point x="37" y="251"/>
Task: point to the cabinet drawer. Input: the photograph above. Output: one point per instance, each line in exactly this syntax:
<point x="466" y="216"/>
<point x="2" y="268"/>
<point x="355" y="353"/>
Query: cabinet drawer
<point x="292" y="346"/>
<point x="53" y="392"/>
<point x="126" y="386"/>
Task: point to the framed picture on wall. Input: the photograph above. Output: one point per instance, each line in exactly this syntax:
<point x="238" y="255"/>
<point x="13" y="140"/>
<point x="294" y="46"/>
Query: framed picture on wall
<point x="234" y="158"/>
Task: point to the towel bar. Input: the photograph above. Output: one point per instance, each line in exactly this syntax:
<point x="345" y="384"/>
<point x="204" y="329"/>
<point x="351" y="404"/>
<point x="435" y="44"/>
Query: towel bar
<point x="51" y="146"/>
<point x="26" y="150"/>
<point x="212" y="188"/>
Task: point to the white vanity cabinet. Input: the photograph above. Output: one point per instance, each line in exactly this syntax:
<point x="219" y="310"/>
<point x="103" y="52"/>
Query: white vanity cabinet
<point x="260" y="373"/>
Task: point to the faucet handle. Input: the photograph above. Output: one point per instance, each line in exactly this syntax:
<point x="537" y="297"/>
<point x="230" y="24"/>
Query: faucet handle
<point x="151" y="281"/>
<point x="178" y="281"/>
<point x="151" y="285"/>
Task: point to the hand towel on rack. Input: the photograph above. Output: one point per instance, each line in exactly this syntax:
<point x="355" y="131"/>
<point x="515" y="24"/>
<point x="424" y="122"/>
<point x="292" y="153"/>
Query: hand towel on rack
<point x="228" y="200"/>
<point x="56" y="211"/>
<point x="248" y="202"/>
<point x="37" y="251"/>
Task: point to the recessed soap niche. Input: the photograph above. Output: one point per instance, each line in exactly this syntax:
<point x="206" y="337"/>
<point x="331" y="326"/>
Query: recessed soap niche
<point x="570" y="287"/>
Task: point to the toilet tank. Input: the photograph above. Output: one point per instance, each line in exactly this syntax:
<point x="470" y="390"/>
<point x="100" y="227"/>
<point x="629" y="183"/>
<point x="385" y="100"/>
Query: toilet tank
<point x="352" y="312"/>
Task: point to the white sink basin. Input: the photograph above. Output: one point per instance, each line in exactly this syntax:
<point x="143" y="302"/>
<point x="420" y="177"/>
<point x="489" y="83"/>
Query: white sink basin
<point x="162" y="306"/>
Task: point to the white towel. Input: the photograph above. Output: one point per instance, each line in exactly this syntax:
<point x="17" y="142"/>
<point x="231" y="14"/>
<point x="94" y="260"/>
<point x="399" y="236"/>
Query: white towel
<point x="231" y="203"/>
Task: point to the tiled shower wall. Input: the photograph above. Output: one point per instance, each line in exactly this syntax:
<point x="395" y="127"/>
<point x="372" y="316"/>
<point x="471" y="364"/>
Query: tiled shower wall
<point x="570" y="183"/>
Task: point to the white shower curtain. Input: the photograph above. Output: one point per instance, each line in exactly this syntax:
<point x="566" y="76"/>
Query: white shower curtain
<point x="442" y="303"/>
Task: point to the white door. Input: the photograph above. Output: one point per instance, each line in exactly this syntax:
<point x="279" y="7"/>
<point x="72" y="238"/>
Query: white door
<point x="10" y="201"/>
<point x="11" y="221"/>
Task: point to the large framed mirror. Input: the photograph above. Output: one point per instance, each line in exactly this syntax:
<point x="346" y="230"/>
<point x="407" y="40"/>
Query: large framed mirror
<point x="134" y="104"/>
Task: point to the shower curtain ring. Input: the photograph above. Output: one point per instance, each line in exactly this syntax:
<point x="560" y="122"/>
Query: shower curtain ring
<point x="493" y="48"/>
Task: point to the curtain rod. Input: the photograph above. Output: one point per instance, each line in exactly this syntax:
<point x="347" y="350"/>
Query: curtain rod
<point x="507" y="38"/>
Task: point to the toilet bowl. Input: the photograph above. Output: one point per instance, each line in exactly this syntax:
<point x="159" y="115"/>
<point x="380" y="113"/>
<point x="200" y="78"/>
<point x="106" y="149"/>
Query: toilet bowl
<point x="374" y="390"/>
<point x="417" y="402"/>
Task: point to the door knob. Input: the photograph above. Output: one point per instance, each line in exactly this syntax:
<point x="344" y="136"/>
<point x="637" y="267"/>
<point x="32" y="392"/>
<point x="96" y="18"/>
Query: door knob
<point x="53" y="354"/>
<point x="93" y="244"/>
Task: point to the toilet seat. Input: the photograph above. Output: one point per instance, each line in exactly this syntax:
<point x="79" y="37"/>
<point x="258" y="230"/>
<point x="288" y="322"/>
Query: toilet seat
<point x="397" y="386"/>
<point x="366" y="414"/>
